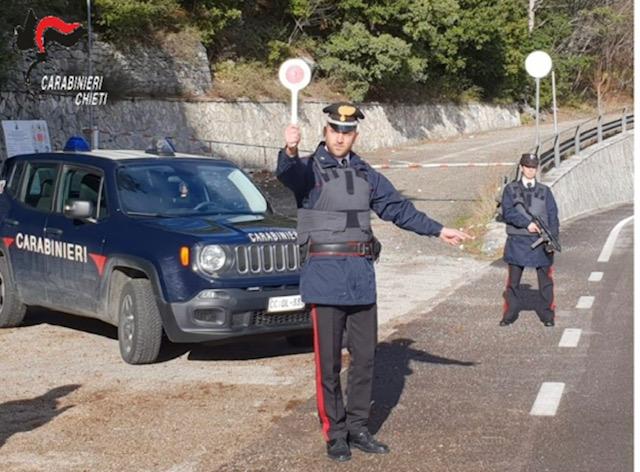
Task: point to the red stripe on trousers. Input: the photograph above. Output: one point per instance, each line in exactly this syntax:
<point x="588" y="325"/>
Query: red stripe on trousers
<point x="553" y="294"/>
<point x="319" y="393"/>
<point x="505" y="305"/>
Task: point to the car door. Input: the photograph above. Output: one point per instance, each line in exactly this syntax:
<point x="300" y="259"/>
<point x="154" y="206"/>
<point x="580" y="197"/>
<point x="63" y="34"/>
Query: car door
<point x="23" y="228"/>
<point x="76" y="266"/>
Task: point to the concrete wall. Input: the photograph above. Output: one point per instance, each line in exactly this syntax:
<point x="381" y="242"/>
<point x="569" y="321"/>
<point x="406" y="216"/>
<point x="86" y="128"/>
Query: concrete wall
<point x="130" y="123"/>
<point x="599" y="177"/>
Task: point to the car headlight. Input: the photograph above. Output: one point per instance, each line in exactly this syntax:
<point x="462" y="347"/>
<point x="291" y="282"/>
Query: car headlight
<point x="212" y="258"/>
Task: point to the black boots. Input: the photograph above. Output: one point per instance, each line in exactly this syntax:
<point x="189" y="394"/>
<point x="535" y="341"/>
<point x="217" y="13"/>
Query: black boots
<point x="366" y="442"/>
<point x="338" y="450"/>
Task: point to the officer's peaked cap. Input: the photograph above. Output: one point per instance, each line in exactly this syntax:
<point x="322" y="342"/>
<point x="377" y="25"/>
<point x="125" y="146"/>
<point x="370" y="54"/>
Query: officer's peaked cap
<point x="343" y="116"/>
<point x="529" y="160"/>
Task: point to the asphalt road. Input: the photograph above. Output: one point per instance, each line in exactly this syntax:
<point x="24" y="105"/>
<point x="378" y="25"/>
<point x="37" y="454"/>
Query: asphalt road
<point x="455" y="392"/>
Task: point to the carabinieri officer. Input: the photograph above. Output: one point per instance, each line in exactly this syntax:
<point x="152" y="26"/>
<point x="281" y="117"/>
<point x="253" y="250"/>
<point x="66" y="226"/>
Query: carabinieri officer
<point x="335" y="191"/>
<point x="521" y="199"/>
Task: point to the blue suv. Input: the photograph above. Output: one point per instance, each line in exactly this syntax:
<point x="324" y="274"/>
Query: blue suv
<point x="154" y="244"/>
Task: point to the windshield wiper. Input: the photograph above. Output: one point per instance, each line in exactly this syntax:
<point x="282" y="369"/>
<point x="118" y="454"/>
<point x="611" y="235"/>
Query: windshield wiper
<point x="238" y="213"/>
<point x="149" y="214"/>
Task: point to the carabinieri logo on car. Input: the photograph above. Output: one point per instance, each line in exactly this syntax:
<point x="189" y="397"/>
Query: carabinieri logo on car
<point x="50" y="247"/>
<point x="272" y="236"/>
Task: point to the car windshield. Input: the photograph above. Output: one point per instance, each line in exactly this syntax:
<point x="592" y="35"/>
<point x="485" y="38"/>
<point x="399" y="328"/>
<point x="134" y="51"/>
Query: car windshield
<point x="187" y="188"/>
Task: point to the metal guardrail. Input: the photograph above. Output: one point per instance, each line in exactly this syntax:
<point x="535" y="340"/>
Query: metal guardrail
<point x="559" y="147"/>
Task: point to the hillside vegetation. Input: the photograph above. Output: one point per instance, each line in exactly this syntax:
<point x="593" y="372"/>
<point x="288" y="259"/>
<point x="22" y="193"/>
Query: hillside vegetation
<point x="387" y="50"/>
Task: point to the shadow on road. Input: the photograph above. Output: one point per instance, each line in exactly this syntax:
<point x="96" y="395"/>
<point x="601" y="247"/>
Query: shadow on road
<point x="391" y="370"/>
<point x="246" y="349"/>
<point x="20" y="416"/>
<point x="37" y="316"/>
<point x="240" y="349"/>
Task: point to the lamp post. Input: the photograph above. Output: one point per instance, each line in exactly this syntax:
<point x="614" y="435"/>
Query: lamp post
<point x="538" y="65"/>
<point x="92" y="127"/>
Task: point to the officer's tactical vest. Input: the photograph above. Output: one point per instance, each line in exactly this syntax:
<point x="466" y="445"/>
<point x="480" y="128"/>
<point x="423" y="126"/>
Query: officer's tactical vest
<point x="341" y="213"/>
<point x="534" y="201"/>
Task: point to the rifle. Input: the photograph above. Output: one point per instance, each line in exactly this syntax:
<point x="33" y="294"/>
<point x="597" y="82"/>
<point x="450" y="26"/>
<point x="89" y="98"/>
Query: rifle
<point x="551" y="243"/>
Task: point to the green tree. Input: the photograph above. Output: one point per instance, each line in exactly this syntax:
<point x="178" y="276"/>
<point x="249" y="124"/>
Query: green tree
<point x="359" y="58"/>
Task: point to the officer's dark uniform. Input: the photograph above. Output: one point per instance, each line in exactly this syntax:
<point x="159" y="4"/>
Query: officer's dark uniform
<point x="338" y="279"/>
<point x="539" y="201"/>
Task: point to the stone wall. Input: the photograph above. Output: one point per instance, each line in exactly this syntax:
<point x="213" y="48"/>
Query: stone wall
<point x="174" y="64"/>
<point x="254" y="128"/>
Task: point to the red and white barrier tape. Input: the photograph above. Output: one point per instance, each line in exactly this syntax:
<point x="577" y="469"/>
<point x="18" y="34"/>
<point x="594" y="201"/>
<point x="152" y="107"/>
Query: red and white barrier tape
<point x="413" y="165"/>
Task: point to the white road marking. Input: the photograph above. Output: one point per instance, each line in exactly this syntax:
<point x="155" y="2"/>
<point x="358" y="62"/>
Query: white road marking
<point x="570" y="337"/>
<point x="585" y="302"/>
<point x="548" y="399"/>
<point x="595" y="276"/>
<point x="611" y="240"/>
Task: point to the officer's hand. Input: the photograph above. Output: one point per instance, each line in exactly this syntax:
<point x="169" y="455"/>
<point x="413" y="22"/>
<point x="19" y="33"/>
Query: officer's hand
<point x="533" y="228"/>
<point x="453" y="236"/>
<point x="292" y="139"/>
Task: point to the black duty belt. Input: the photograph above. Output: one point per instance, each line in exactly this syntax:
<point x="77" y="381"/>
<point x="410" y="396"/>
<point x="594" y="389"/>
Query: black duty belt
<point x="352" y="248"/>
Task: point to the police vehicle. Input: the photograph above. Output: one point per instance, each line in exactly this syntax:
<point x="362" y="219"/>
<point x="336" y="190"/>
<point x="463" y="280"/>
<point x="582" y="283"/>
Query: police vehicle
<point x="153" y="243"/>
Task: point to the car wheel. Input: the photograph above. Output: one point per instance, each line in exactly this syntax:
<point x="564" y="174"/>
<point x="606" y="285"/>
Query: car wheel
<point x="301" y="340"/>
<point x="139" y="323"/>
<point x="12" y="310"/>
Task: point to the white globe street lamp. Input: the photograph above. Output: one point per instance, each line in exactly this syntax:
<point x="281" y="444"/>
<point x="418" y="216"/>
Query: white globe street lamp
<point x="538" y="64"/>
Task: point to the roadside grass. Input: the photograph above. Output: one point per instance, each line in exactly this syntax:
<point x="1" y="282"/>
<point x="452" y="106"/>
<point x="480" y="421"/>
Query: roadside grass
<point x="481" y="214"/>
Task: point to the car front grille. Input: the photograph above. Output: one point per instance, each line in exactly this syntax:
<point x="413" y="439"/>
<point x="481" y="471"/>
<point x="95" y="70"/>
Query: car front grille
<point x="267" y="258"/>
<point x="260" y="318"/>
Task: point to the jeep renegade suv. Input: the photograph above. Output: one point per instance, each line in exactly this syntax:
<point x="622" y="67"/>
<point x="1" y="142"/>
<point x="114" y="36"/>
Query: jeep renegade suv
<point x="182" y="245"/>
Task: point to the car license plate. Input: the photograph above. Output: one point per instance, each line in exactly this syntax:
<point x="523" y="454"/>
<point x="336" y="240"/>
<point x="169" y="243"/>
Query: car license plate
<point x="288" y="303"/>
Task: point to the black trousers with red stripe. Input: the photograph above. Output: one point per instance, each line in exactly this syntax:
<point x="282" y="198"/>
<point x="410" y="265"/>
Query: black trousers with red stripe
<point x="329" y="323"/>
<point x="513" y="303"/>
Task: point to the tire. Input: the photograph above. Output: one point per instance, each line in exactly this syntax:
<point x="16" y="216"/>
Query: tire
<point x="301" y="340"/>
<point x="139" y="323"/>
<point x="12" y="310"/>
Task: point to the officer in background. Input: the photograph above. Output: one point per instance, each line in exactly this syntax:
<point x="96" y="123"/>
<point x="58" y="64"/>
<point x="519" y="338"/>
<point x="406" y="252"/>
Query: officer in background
<point x="520" y="200"/>
<point x="335" y="191"/>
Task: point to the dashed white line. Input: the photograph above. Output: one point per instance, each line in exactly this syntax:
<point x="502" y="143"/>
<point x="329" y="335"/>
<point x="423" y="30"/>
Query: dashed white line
<point x="595" y="276"/>
<point x="570" y="337"/>
<point x="611" y="240"/>
<point x="585" y="302"/>
<point x="548" y="399"/>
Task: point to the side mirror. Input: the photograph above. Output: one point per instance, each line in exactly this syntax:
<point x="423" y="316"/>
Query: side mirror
<point x="79" y="210"/>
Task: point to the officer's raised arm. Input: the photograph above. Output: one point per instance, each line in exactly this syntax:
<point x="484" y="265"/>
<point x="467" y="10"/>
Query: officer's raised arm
<point x="294" y="172"/>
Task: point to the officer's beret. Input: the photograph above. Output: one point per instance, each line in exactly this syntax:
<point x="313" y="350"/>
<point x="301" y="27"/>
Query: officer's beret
<point x="529" y="160"/>
<point x="343" y="116"/>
